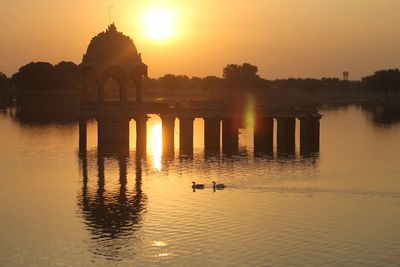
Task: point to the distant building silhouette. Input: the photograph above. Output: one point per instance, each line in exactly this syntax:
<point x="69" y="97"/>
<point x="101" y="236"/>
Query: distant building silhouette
<point x="346" y="75"/>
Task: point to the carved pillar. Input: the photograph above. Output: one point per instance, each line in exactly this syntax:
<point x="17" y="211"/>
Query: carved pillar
<point x="212" y="135"/>
<point x="141" y="134"/>
<point x="168" y="126"/>
<point x="186" y="136"/>
<point x="315" y="133"/>
<point x="264" y="135"/>
<point x="113" y="135"/>
<point x="286" y="127"/>
<point x="230" y="136"/>
<point x="309" y="134"/>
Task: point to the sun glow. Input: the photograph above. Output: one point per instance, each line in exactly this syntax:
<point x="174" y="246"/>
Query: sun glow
<point x="159" y="24"/>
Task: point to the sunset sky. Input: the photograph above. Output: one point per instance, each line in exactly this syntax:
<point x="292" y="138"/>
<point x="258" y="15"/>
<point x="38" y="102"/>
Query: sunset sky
<point x="284" y="38"/>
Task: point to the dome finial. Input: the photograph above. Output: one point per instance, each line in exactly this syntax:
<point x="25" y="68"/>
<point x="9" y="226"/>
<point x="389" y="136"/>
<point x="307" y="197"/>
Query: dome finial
<point x="112" y="27"/>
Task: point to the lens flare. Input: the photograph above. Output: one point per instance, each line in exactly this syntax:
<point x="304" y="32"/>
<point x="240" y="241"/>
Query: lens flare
<point x="250" y="112"/>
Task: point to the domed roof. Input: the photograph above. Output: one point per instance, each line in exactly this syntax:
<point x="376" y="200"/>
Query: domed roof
<point x="111" y="48"/>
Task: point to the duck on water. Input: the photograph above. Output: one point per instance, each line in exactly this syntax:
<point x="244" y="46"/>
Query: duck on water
<point x="218" y="186"/>
<point x="197" y="186"/>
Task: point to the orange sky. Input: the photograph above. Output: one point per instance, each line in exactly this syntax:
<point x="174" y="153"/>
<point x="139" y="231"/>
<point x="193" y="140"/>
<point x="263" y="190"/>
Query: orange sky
<point x="284" y="38"/>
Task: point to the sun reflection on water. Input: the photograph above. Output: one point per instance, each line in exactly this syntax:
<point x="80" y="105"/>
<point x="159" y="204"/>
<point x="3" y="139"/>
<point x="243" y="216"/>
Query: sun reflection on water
<point x="159" y="244"/>
<point x="163" y="255"/>
<point x="155" y="144"/>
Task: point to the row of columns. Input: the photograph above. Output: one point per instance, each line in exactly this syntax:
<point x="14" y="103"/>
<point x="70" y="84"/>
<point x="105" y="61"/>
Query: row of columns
<point x="230" y="135"/>
<point x="286" y="127"/>
<point x="113" y="135"/>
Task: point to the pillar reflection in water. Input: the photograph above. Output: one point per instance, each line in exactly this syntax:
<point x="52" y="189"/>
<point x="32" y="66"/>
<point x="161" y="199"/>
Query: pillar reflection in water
<point x="109" y="214"/>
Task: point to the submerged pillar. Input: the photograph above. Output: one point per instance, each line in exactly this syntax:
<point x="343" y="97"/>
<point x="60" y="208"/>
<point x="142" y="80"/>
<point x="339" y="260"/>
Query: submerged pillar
<point x="315" y="129"/>
<point x="113" y="135"/>
<point x="141" y="134"/>
<point x="264" y="135"/>
<point x="212" y="135"/>
<point x="286" y="127"/>
<point x="186" y="136"/>
<point x="315" y="133"/>
<point x="230" y="136"/>
<point x="309" y="134"/>
<point x="305" y="135"/>
<point x="82" y="135"/>
<point x="168" y="126"/>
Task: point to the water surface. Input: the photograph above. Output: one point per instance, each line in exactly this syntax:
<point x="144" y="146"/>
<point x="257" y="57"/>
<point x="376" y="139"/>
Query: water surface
<point x="338" y="207"/>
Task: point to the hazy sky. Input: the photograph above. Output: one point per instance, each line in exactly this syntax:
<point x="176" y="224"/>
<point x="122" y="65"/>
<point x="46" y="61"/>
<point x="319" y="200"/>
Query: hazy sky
<point x="284" y="38"/>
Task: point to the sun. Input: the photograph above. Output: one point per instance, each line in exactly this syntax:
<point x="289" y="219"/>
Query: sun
<point x="159" y="24"/>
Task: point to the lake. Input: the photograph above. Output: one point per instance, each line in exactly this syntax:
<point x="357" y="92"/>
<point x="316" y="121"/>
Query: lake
<point x="338" y="207"/>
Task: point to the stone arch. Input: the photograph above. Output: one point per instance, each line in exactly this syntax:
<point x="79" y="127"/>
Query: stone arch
<point x="118" y="74"/>
<point x="138" y="72"/>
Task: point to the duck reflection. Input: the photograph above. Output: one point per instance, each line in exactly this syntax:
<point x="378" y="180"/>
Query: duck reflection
<point x="111" y="215"/>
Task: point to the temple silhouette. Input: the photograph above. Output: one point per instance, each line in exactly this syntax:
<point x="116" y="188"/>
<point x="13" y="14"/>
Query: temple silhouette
<point x="112" y="55"/>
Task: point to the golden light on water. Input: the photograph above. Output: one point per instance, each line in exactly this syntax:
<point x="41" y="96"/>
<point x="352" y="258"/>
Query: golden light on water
<point x="159" y="24"/>
<point x="163" y="255"/>
<point x="159" y="244"/>
<point x="155" y="144"/>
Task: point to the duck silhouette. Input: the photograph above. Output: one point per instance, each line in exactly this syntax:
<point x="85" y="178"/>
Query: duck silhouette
<point x="218" y="186"/>
<point x="197" y="186"/>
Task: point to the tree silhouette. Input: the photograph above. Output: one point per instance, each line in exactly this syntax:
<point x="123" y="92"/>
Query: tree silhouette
<point x="241" y="76"/>
<point x="211" y="82"/>
<point x="43" y="76"/>
<point x="194" y="83"/>
<point x="231" y="72"/>
<point x="172" y="82"/>
<point x="36" y="76"/>
<point x="68" y="75"/>
<point x="383" y="80"/>
<point x="3" y="81"/>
